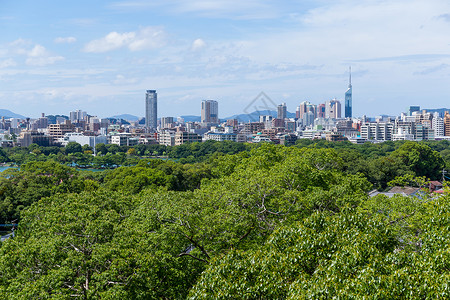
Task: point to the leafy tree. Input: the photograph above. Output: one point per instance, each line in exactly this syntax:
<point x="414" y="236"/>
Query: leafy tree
<point x="86" y="147"/>
<point x="421" y="159"/>
<point x="73" y="147"/>
<point x="34" y="180"/>
<point x="101" y="149"/>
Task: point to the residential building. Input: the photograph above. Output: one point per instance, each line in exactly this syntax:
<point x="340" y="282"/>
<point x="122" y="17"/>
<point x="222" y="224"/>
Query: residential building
<point x="282" y="111"/>
<point x="447" y="124"/>
<point x="166" y="122"/>
<point x="76" y="116"/>
<point x="166" y="138"/>
<point x="183" y="137"/>
<point x="28" y="137"/>
<point x="304" y="108"/>
<point x="124" y="139"/>
<point x="59" y="130"/>
<point x="402" y="136"/>
<point x="210" y="112"/>
<point x="333" y="109"/>
<point x="220" y="136"/>
<point x="377" y="131"/>
<point x="438" y="125"/>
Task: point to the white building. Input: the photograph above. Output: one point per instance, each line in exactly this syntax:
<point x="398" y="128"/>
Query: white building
<point x="124" y="139"/>
<point x="401" y="135"/>
<point x="438" y="125"/>
<point x="83" y="139"/>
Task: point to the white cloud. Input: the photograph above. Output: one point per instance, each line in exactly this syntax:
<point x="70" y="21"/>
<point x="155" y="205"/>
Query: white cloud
<point x="146" y="38"/>
<point x="68" y="40"/>
<point x="198" y="44"/>
<point x="39" y="56"/>
<point x="7" y="63"/>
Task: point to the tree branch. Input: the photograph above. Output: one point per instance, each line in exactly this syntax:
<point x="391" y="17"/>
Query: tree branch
<point x="194" y="257"/>
<point x="401" y="218"/>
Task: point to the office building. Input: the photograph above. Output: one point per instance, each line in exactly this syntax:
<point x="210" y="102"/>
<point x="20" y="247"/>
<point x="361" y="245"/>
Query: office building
<point x="151" y="109"/>
<point x="308" y="118"/>
<point x="412" y="109"/>
<point x="333" y="109"/>
<point x="304" y="108"/>
<point x="166" y="122"/>
<point x="348" y="97"/>
<point x="210" y="112"/>
<point x="281" y="112"/>
<point x="320" y="111"/>
<point x="76" y="116"/>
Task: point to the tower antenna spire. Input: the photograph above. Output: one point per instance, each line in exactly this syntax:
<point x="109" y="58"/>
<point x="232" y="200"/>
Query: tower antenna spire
<point x="350" y="76"/>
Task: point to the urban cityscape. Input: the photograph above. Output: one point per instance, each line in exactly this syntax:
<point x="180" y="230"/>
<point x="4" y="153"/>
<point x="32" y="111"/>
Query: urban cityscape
<point x="224" y="149"/>
<point x="311" y="121"/>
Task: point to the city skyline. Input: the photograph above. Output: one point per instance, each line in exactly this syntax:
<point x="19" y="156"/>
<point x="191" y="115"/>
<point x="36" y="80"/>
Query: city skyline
<point x="99" y="56"/>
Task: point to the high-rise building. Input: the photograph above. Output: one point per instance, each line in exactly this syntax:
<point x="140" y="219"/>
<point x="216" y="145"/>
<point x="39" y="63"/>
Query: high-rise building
<point x="304" y="108"/>
<point x="308" y="118"/>
<point x="76" y="116"/>
<point x="166" y="122"/>
<point x="333" y="109"/>
<point x="412" y="109"/>
<point x="151" y="109"/>
<point x="210" y="112"/>
<point x="348" y="96"/>
<point x="447" y="124"/>
<point x="438" y="125"/>
<point x="281" y="113"/>
<point x="321" y="110"/>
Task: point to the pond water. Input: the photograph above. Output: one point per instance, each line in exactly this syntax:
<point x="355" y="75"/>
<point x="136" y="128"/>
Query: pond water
<point x="3" y="168"/>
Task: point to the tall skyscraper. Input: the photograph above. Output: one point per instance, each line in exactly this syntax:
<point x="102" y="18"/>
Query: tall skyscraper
<point x="210" y="112"/>
<point x="151" y="109"/>
<point x="348" y="96"/>
<point x="281" y="113"/>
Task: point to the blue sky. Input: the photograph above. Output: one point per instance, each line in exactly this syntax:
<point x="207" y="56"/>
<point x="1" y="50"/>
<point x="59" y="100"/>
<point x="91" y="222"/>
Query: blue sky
<point x="101" y="56"/>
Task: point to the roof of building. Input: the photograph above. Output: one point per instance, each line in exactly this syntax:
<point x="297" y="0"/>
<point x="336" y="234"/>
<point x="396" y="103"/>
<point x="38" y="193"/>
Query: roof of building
<point x="396" y="190"/>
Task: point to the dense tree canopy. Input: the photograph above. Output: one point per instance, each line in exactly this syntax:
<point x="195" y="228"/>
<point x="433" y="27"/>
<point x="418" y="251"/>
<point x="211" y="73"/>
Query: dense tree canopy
<point x="267" y="222"/>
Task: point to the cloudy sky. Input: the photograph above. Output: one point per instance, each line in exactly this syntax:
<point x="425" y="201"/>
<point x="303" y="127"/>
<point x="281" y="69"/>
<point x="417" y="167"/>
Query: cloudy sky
<point x="101" y="56"/>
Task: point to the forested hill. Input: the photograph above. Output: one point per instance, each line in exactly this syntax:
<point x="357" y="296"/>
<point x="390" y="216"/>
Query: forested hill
<point x="225" y="221"/>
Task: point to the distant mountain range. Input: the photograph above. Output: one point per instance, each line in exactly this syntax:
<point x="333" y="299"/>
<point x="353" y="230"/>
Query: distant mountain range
<point x="245" y="118"/>
<point x="9" y="114"/>
<point x="127" y="117"/>
<point x="254" y="116"/>
<point x="191" y="118"/>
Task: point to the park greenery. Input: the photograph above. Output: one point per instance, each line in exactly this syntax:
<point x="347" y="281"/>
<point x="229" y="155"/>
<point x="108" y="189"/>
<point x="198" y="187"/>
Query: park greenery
<point x="225" y="221"/>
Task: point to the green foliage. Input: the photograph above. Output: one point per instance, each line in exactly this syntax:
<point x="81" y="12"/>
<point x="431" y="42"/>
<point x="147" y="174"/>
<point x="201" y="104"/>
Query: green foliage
<point x="133" y="180"/>
<point x="408" y="180"/>
<point x="34" y="180"/>
<point x="73" y="147"/>
<point x="267" y="222"/>
<point x="421" y="159"/>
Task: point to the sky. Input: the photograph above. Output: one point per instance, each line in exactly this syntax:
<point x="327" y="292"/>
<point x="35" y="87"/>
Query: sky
<point x="102" y="56"/>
